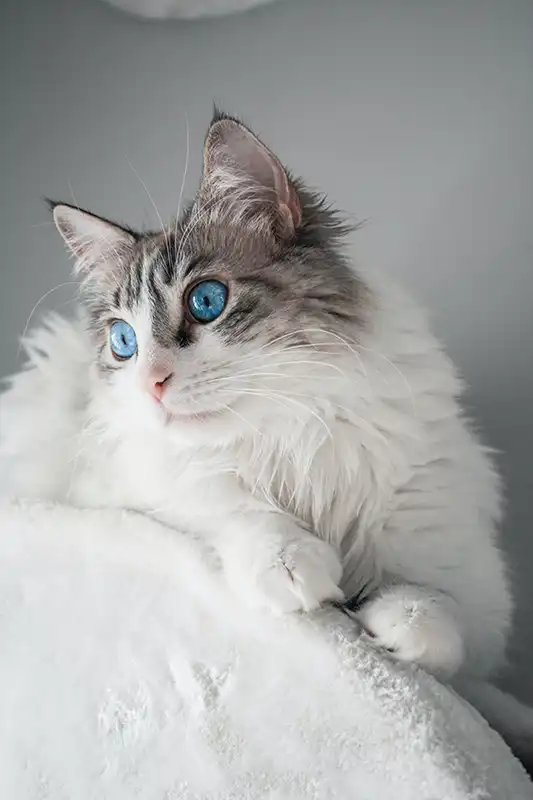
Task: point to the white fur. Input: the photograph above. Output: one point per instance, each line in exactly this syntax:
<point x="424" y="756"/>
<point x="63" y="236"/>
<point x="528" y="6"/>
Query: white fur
<point x="366" y="448"/>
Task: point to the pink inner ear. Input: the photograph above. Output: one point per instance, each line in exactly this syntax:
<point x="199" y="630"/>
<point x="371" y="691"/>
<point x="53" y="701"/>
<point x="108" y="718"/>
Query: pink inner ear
<point x="289" y="204"/>
<point x="294" y="206"/>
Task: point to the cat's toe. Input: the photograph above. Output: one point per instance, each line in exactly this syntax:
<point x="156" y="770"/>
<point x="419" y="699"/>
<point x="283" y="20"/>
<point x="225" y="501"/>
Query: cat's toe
<point x="303" y="578"/>
<point x="414" y="626"/>
<point x="302" y="575"/>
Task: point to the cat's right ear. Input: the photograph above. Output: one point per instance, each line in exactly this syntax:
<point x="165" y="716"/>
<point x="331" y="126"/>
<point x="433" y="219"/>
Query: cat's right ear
<point x="99" y="246"/>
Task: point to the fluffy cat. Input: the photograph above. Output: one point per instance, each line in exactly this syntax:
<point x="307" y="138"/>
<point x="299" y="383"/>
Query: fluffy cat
<point x="235" y="377"/>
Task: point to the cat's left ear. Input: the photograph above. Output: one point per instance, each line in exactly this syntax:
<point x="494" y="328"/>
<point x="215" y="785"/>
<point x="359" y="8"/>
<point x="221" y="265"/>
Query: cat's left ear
<point x="247" y="180"/>
<point x="99" y="246"/>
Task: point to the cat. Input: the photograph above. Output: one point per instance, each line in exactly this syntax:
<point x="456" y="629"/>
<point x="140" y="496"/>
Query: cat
<point x="236" y="377"/>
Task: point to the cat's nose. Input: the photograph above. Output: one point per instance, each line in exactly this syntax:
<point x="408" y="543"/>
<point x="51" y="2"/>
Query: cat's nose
<point x="157" y="383"/>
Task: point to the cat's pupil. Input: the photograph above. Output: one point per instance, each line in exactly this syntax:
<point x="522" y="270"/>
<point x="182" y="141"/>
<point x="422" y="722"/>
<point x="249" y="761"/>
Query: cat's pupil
<point x="207" y="302"/>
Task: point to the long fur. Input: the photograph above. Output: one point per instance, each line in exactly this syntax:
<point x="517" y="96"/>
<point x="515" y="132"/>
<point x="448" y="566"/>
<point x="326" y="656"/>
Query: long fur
<point x="313" y="434"/>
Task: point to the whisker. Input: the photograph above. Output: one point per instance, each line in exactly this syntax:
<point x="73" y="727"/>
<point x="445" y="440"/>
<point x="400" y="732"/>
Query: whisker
<point x="397" y="369"/>
<point x="240" y="416"/>
<point x="89" y="428"/>
<point x="71" y="190"/>
<point x="349" y="413"/>
<point x="82" y="263"/>
<point x="195" y="218"/>
<point x="334" y="335"/>
<point x="34" y="309"/>
<point x="264" y="355"/>
<point x="352" y="345"/>
<point x="209" y="206"/>
<point x="265" y="374"/>
<point x="184" y="177"/>
<point x="277" y="395"/>
<point x="143" y="184"/>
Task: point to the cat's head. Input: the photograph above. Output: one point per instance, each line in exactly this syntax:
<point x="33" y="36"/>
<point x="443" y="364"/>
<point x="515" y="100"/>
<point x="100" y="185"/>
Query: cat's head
<point x="230" y="315"/>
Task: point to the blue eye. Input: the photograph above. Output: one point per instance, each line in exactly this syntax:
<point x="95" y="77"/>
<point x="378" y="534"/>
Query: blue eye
<point x="207" y="300"/>
<point x="122" y="340"/>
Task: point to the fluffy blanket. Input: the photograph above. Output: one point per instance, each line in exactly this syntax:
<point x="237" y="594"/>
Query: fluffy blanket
<point x="128" y="670"/>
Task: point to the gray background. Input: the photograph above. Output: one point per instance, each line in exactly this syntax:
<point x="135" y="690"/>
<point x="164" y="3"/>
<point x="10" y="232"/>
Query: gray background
<point x="415" y="115"/>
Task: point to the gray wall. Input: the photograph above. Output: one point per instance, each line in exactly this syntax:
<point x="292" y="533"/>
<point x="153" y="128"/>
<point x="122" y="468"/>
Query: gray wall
<point x="413" y="114"/>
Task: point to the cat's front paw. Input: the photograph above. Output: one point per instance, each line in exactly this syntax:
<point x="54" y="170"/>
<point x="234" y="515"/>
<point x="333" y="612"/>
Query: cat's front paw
<point x="416" y="626"/>
<point x="297" y="574"/>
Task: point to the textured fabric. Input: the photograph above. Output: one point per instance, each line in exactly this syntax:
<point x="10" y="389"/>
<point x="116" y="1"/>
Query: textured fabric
<point x="187" y="9"/>
<point x="128" y="670"/>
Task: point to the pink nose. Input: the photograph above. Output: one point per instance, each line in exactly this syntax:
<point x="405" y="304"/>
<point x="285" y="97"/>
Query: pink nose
<point x="157" y="387"/>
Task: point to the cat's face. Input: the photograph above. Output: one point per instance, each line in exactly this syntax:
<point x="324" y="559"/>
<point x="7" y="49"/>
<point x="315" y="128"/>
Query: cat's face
<point x="232" y="315"/>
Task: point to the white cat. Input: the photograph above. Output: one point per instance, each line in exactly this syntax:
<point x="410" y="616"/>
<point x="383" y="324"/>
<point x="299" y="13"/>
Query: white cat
<point x="236" y="378"/>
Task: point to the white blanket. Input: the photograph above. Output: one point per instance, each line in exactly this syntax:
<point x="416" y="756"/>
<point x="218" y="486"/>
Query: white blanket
<point x="128" y="670"/>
